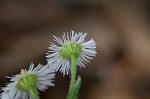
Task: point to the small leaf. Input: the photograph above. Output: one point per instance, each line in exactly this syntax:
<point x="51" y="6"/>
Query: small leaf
<point x="73" y="93"/>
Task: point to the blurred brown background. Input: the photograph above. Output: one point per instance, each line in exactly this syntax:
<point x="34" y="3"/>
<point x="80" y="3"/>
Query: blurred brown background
<point x="121" y="28"/>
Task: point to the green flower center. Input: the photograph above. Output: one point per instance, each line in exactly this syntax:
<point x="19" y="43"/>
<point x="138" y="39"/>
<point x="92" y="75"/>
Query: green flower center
<point x="28" y="84"/>
<point x="71" y="49"/>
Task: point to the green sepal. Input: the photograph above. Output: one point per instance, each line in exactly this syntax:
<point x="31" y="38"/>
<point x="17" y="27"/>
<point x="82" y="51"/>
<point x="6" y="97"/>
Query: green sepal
<point x="68" y="50"/>
<point x="28" y="84"/>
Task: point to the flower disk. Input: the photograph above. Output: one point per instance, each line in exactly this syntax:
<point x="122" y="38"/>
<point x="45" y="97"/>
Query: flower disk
<point x="59" y="56"/>
<point x="26" y="84"/>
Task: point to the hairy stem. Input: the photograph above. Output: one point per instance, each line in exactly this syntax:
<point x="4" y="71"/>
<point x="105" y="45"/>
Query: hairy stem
<point x="73" y="71"/>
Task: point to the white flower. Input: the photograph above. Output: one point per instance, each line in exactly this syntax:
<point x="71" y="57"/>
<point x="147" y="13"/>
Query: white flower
<point x="59" y="56"/>
<point x="28" y="82"/>
<point x="4" y="96"/>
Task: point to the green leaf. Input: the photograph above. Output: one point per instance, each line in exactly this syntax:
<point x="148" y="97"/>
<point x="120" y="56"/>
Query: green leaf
<point x="73" y="93"/>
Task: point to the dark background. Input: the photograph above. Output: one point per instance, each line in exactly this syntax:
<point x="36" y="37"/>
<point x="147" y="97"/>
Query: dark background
<point x="121" y="28"/>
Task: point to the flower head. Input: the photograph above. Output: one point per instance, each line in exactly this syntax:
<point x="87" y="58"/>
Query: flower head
<point x="59" y="56"/>
<point x="26" y="84"/>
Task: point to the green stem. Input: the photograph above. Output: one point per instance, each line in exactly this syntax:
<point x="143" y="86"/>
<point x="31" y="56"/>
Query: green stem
<point x="73" y="71"/>
<point x="73" y="93"/>
<point x="33" y="92"/>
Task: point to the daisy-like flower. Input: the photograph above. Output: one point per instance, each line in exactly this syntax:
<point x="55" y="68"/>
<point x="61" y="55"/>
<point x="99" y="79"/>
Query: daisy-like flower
<point x="27" y="84"/>
<point x="73" y="44"/>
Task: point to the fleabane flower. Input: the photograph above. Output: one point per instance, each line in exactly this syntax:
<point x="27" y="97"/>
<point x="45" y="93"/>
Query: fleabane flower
<point x="27" y="84"/>
<point x="71" y="44"/>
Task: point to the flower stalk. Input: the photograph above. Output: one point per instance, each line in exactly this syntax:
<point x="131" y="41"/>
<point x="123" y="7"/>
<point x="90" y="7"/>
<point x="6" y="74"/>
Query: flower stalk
<point x="74" y="85"/>
<point x="73" y="93"/>
<point x="73" y="71"/>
